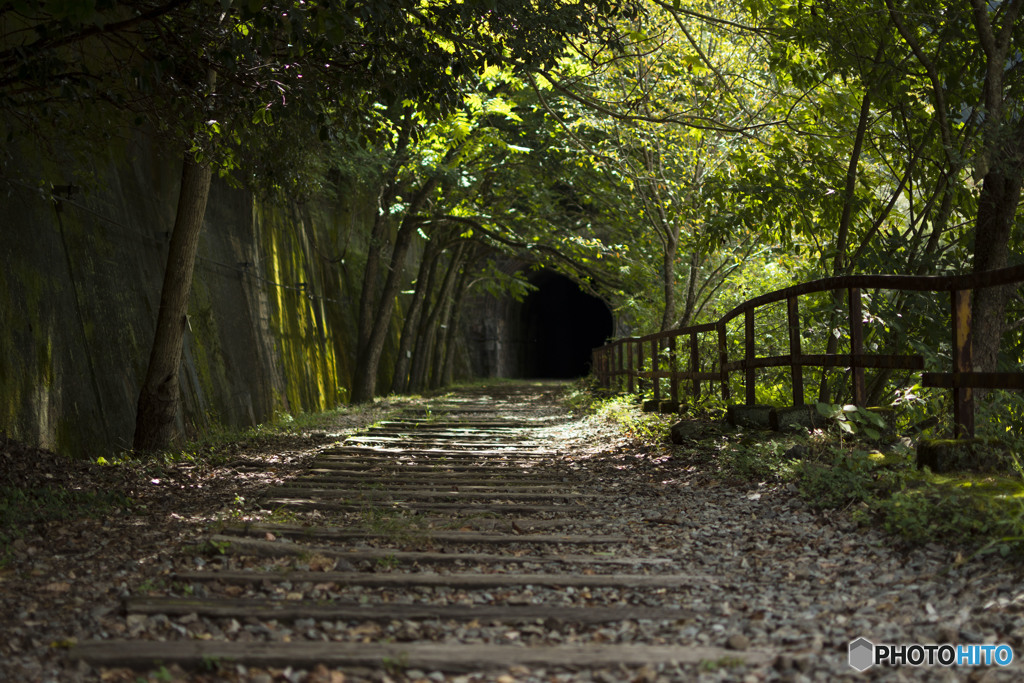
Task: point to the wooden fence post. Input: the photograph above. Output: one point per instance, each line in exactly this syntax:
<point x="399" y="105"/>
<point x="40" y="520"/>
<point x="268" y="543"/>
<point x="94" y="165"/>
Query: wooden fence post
<point x="695" y="363"/>
<point x="641" y="366"/>
<point x="963" y="396"/>
<point x="748" y="359"/>
<point x="655" y="350"/>
<point x="673" y="364"/>
<point x="723" y="362"/>
<point x="630" y="376"/>
<point x="642" y="384"/>
<point x="621" y="366"/>
<point x="795" y="368"/>
<point x="856" y="345"/>
<point x="638" y="360"/>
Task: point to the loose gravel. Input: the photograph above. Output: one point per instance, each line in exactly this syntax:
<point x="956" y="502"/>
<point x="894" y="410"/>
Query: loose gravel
<point x="766" y="574"/>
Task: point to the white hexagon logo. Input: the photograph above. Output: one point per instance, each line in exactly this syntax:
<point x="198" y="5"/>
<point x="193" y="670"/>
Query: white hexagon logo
<point x="862" y="654"/>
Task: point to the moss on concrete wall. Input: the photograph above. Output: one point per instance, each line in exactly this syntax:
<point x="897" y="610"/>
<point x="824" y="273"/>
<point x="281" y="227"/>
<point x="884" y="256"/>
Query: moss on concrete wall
<point x="271" y="318"/>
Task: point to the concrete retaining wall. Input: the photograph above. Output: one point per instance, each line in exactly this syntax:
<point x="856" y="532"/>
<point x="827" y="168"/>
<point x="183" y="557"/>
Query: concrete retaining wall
<point x="271" y="315"/>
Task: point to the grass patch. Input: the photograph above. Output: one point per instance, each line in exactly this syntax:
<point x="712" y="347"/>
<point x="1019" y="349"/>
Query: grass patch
<point x="624" y="412"/>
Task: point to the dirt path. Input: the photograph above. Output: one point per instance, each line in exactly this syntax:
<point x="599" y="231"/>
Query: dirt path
<point x="490" y="536"/>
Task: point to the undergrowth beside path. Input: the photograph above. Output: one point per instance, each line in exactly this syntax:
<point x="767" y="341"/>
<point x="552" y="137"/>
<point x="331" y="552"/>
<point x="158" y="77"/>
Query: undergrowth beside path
<point x="876" y="481"/>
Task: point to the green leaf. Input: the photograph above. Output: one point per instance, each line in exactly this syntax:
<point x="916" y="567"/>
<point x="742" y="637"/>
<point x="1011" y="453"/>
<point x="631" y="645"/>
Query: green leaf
<point x="875" y="419"/>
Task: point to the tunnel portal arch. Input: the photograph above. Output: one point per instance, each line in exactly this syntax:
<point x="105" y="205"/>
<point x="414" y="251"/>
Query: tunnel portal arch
<point x="560" y="325"/>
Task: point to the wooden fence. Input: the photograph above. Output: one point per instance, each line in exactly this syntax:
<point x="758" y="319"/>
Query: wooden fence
<point x="634" y="363"/>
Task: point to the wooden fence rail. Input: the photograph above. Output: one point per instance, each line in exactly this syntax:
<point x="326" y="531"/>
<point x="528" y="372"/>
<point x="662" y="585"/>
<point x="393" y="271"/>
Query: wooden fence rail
<point x="621" y="364"/>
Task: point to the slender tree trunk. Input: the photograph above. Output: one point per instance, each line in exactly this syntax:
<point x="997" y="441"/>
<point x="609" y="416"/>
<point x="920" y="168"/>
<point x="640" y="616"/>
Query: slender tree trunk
<point x="419" y="375"/>
<point x="668" y="278"/>
<point x="368" y="355"/>
<point x="424" y="282"/>
<point x="444" y="331"/>
<point x="691" y="291"/>
<point x="842" y="236"/>
<point x="423" y="341"/>
<point x="159" y="396"/>
<point x="376" y="253"/>
<point x="939" y="222"/>
<point x="379" y="251"/>
<point x="451" y="334"/>
<point x="373" y="328"/>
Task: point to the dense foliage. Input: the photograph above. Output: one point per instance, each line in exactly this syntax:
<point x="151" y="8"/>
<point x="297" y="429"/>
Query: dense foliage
<point x="674" y="157"/>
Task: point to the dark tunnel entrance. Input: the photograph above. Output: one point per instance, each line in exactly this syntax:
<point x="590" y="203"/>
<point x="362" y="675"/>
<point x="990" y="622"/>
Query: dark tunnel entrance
<point x="561" y="324"/>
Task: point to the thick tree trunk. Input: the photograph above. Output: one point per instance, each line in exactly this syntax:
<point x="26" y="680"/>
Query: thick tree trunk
<point x="159" y="396"/>
<point x="1002" y="160"/>
<point x="424" y="283"/>
<point x="997" y="208"/>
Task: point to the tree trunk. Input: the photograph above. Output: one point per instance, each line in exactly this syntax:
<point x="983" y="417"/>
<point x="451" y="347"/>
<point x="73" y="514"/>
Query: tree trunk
<point x="375" y="320"/>
<point x="668" y="278"/>
<point x="1002" y="161"/>
<point x="368" y="355"/>
<point x="842" y="236"/>
<point x="691" y="291"/>
<point x="376" y="252"/>
<point x="419" y="374"/>
<point x="451" y="334"/>
<point x="424" y="280"/>
<point x="451" y="301"/>
<point x="159" y="396"/>
<point x="997" y="208"/>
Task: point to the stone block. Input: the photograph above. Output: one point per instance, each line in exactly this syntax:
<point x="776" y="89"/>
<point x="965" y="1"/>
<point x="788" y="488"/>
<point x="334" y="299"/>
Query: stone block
<point x="756" y="416"/>
<point x="795" y="418"/>
<point x="669" y="407"/>
<point x="650" y="406"/>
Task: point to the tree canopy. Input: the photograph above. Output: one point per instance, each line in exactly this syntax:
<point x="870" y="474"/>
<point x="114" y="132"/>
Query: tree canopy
<point x="672" y="156"/>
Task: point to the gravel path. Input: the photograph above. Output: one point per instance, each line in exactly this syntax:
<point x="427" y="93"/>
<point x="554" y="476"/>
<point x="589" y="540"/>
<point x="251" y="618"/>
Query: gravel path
<point x="592" y="558"/>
